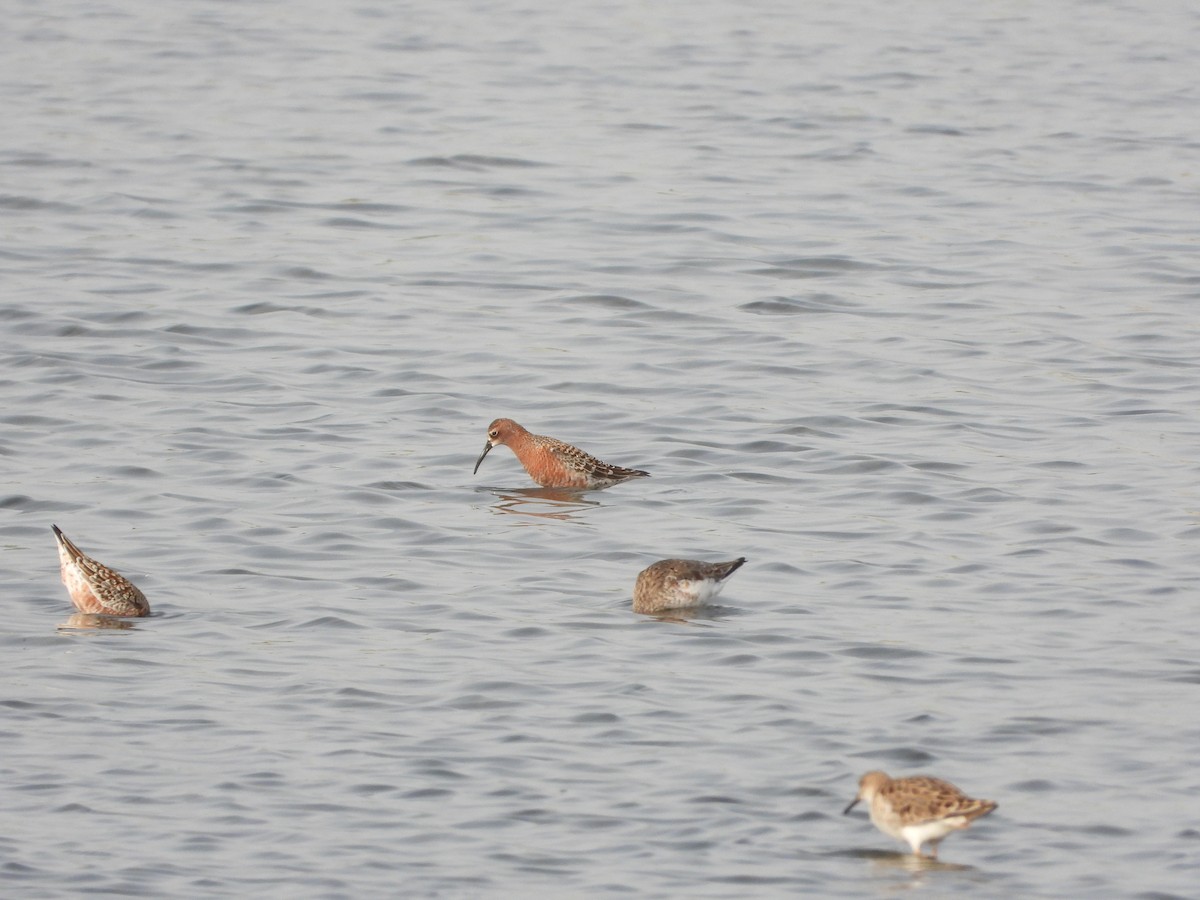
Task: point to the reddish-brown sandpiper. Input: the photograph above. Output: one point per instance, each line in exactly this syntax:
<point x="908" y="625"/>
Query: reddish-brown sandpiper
<point x="553" y="463"/>
<point x="94" y="587"/>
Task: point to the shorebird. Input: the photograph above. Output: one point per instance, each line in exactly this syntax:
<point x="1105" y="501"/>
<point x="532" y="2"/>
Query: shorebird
<point x="94" y="587"/>
<point x="553" y="463"/>
<point x="918" y="809"/>
<point x="680" y="583"/>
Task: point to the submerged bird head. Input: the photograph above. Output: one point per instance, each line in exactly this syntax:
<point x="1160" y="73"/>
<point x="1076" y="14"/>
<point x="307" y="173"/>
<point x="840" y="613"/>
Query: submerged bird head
<point x="499" y="432"/>
<point x="868" y="786"/>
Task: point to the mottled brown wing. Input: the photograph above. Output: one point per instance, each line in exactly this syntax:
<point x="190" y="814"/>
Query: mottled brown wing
<point x="926" y="799"/>
<point x="586" y="462"/>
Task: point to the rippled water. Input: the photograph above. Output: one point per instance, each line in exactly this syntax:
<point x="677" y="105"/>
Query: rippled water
<point x="897" y="300"/>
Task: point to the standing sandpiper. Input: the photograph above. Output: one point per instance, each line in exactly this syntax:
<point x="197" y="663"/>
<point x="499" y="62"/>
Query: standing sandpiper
<point x="94" y="587"/>
<point x="918" y="809"/>
<point x="680" y="583"/>
<point x="553" y="463"/>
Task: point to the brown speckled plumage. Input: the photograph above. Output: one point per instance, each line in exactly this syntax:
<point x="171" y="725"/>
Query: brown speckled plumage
<point x="551" y="462"/>
<point x="94" y="587"/>
<point x="680" y="583"/>
<point x="918" y="809"/>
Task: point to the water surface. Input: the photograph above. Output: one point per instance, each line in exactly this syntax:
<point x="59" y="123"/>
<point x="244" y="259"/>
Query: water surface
<point x="899" y="302"/>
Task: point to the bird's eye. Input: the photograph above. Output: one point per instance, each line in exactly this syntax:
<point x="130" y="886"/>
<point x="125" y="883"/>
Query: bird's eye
<point x="493" y="433"/>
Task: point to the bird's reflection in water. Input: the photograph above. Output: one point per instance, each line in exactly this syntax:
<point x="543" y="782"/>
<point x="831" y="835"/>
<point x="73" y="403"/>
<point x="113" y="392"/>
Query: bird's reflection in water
<point x="693" y="615"/>
<point x="96" y="621"/>
<point x="918" y="867"/>
<point x="542" y="503"/>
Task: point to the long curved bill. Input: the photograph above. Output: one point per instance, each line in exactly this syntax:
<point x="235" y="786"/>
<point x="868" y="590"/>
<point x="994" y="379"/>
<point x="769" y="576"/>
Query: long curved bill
<point x="487" y="448"/>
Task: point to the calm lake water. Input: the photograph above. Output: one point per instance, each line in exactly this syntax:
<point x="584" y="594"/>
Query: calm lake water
<point x="899" y="301"/>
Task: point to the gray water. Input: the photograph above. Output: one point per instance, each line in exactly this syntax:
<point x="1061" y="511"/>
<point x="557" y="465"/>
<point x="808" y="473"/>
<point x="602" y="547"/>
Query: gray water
<point x="897" y="300"/>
